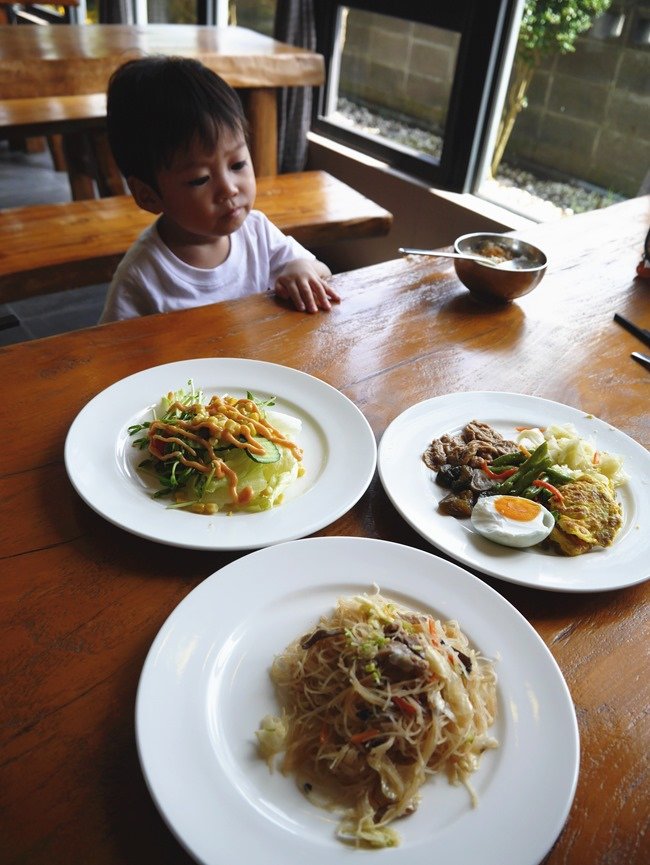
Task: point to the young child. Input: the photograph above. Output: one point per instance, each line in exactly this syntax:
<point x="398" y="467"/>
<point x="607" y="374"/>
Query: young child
<point x="178" y="135"/>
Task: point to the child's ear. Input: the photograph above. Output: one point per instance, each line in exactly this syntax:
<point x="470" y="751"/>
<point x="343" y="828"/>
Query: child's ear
<point x="145" y="197"/>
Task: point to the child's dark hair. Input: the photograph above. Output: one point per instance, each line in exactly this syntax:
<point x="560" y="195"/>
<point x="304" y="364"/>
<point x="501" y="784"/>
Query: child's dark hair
<point x="157" y="105"/>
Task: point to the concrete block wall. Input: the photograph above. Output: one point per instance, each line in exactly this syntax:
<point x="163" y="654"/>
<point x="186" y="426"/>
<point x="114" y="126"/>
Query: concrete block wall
<point x="400" y="65"/>
<point x="588" y="113"/>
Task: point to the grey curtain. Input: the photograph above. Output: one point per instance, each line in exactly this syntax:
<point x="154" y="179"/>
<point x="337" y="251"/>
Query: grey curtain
<point x="294" y="24"/>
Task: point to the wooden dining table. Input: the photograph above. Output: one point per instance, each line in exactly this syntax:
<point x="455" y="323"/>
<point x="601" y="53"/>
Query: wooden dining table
<point x="71" y="61"/>
<point x="82" y="600"/>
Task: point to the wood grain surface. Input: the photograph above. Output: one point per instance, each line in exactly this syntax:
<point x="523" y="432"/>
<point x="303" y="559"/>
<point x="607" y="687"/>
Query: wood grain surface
<point x="37" y="115"/>
<point x="70" y="61"/>
<point x="63" y="61"/>
<point x="82" y="600"/>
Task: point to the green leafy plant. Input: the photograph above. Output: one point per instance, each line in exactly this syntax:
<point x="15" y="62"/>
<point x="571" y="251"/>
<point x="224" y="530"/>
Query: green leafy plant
<point x="547" y="27"/>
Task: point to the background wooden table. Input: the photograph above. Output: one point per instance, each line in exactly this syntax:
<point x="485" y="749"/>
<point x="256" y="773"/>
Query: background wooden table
<point x="82" y="600"/>
<point x="79" y="60"/>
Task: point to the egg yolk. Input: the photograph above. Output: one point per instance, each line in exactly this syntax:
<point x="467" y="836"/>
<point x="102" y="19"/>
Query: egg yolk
<point x="517" y="509"/>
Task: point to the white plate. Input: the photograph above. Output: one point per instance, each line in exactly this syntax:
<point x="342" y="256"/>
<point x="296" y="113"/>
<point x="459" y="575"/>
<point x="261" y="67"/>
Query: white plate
<point x="205" y="687"/>
<point x="339" y="455"/>
<point x="411" y="487"/>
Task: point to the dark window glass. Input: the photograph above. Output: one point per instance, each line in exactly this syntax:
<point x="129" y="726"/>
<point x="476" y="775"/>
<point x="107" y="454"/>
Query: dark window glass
<point x="412" y="83"/>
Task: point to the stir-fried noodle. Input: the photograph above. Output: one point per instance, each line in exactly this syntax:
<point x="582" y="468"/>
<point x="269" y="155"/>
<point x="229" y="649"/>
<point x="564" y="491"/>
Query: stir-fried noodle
<point x="374" y="699"/>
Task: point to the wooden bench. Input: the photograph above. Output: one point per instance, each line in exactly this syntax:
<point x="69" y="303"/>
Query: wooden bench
<point x="52" y="247"/>
<point x="75" y="128"/>
<point x="47" y="115"/>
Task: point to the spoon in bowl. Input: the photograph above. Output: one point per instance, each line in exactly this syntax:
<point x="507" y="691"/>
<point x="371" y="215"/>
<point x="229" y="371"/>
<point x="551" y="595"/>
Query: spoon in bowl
<point x="441" y="253"/>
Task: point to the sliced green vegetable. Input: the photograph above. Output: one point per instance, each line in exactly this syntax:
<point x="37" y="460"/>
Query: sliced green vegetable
<point x="271" y="451"/>
<point x="528" y="471"/>
<point x="515" y="458"/>
<point x="557" y="478"/>
<point x="525" y="478"/>
<point x="262" y="403"/>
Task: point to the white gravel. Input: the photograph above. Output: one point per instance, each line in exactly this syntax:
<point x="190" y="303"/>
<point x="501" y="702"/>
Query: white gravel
<point x="522" y="191"/>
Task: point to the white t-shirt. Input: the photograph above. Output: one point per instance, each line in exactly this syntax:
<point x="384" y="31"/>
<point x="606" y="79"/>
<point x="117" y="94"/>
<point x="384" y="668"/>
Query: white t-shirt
<point x="150" y="278"/>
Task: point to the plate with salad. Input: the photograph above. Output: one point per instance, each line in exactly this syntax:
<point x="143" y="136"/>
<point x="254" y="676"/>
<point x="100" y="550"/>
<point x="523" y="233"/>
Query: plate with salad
<point x="522" y="488"/>
<point x="220" y="453"/>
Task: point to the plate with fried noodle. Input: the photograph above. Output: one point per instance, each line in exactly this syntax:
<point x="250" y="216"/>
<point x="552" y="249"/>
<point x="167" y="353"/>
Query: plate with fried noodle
<point x="206" y="686"/>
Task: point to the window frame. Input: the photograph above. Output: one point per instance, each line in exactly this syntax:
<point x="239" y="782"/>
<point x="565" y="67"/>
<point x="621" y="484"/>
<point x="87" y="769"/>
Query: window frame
<point x="485" y="28"/>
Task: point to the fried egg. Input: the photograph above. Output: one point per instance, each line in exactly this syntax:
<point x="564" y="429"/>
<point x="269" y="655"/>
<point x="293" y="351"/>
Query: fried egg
<point x="511" y="520"/>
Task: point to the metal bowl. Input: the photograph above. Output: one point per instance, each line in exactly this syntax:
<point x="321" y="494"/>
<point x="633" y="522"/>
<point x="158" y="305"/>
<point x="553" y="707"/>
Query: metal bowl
<point x="521" y="266"/>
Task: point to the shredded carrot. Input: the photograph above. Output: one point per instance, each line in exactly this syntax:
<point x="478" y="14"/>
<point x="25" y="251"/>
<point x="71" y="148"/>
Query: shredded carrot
<point x="364" y="736"/>
<point x="497" y="476"/>
<point x="525" y="428"/>
<point x="553" y="490"/>
<point x="324" y="734"/>
<point x="596" y="458"/>
<point x="404" y="705"/>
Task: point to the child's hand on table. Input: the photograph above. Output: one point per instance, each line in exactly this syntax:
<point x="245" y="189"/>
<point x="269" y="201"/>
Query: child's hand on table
<point x="303" y="282"/>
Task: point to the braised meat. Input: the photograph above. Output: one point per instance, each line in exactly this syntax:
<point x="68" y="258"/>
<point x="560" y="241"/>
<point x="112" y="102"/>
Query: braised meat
<point x="478" y="441"/>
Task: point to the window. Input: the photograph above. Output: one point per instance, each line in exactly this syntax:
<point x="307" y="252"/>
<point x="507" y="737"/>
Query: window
<point x="171" y="11"/>
<point x="414" y="84"/>
<point x="254" y="14"/>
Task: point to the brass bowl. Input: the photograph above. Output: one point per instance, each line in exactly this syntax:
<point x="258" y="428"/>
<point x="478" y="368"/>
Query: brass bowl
<point x="523" y="268"/>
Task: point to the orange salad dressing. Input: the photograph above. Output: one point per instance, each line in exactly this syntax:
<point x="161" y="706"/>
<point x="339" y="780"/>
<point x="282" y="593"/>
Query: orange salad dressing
<point x="245" y="421"/>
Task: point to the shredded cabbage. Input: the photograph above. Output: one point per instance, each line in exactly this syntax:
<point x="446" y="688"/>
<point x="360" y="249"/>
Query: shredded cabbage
<point x="573" y="455"/>
<point x="268" y="481"/>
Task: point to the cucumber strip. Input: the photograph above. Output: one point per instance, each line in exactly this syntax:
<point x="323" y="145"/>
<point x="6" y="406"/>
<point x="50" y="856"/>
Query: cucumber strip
<point x="271" y="451"/>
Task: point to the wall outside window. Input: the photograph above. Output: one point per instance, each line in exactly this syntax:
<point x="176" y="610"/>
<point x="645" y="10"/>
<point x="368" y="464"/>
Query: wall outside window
<point x="401" y="65"/>
<point x="589" y="111"/>
<point x="172" y="11"/>
<point x="254" y="14"/>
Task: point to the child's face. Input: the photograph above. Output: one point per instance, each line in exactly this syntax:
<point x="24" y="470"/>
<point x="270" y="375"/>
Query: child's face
<point x="208" y="194"/>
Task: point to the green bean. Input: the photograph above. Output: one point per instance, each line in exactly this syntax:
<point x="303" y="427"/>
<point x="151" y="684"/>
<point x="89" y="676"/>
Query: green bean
<point x="540" y="453"/>
<point x="525" y="479"/>
<point x="557" y="478"/>
<point x="527" y="472"/>
<point x="512" y="459"/>
<point x="505" y="486"/>
<point x="538" y="494"/>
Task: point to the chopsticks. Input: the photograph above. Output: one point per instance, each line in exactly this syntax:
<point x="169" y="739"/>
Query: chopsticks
<point x="640" y="332"/>
<point x="643" y="359"/>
